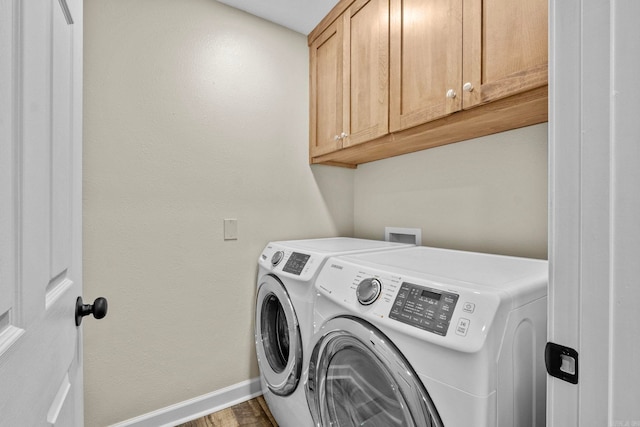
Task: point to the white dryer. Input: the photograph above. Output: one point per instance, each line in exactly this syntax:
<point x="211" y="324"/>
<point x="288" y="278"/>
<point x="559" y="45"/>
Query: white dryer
<point x="429" y="337"/>
<point x="284" y="315"/>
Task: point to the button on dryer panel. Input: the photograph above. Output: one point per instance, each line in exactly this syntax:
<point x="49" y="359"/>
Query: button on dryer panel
<point x="468" y="307"/>
<point x="463" y="326"/>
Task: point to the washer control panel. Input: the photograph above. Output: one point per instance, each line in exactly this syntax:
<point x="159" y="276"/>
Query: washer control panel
<point x="298" y="265"/>
<point x="425" y="308"/>
<point x="276" y="257"/>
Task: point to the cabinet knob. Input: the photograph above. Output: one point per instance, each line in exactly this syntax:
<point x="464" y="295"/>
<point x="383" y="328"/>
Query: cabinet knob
<point x="451" y="94"/>
<point x="468" y="87"/>
<point x="336" y="138"/>
<point x="344" y="135"/>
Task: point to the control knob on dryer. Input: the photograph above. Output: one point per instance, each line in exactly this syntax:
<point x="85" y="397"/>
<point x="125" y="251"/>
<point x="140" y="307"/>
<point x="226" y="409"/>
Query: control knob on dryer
<point x="368" y="291"/>
<point x="276" y="258"/>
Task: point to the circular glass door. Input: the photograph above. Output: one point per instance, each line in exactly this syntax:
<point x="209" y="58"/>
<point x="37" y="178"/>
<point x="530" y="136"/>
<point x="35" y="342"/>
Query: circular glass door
<point x="278" y="342"/>
<point x="358" y="378"/>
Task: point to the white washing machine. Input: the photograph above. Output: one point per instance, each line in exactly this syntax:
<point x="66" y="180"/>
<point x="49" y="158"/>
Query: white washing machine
<point x="429" y="337"/>
<point x="284" y="315"/>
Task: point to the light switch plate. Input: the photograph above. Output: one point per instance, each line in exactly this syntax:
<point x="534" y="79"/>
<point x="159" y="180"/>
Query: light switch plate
<point x="231" y="229"/>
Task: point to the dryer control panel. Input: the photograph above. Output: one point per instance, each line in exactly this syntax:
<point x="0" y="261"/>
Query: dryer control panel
<point x="445" y="311"/>
<point x="425" y="308"/>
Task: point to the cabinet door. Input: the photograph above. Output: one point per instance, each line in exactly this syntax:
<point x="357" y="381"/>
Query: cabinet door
<point x="426" y="60"/>
<point x="505" y="48"/>
<point x="366" y="58"/>
<point x="326" y="81"/>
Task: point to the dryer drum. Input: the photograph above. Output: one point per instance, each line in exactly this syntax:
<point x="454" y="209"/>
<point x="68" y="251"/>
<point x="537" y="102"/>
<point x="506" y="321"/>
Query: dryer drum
<point x="278" y="340"/>
<point x="358" y="377"/>
<point x="275" y="333"/>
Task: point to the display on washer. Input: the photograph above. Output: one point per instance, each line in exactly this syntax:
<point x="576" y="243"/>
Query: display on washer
<point x="424" y="308"/>
<point x="296" y="263"/>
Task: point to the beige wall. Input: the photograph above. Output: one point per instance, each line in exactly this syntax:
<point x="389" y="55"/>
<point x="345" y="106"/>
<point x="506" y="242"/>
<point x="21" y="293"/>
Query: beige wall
<point x="194" y="112"/>
<point x="487" y="194"/>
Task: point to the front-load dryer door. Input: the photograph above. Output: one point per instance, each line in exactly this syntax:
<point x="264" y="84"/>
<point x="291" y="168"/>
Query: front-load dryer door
<point x="278" y="341"/>
<point x="357" y="377"/>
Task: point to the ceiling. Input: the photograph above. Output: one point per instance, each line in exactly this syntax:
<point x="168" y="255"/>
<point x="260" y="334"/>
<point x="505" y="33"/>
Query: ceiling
<point x="299" y="15"/>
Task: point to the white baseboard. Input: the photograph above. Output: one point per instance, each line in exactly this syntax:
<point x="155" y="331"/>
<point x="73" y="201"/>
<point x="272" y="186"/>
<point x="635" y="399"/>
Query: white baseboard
<point x="197" y="407"/>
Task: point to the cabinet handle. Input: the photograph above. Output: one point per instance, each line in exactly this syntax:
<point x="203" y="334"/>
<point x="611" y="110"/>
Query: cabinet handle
<point x="468" y="87"/>
<point x="451" y="94"/>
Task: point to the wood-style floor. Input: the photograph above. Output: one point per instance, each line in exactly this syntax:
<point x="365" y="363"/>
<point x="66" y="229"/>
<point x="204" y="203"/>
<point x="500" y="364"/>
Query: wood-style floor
<point x="252" y="413"/>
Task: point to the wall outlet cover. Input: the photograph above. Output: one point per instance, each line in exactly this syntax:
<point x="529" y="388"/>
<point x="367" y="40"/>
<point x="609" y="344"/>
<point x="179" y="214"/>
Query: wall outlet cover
<point x="231" y="229"/>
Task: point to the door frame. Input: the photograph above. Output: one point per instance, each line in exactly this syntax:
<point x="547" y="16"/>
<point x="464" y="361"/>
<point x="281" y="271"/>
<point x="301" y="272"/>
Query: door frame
<point x="594" y="236"/>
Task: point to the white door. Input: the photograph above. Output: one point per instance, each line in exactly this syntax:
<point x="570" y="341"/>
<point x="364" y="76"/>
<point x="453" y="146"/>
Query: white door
<point x="40" y="212"/>
<point x="594" y="251"/>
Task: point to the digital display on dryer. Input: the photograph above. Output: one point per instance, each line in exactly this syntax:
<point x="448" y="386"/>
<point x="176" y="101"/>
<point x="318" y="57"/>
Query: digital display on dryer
<point x="296" y="263"/>
<point x="431" y="295"/>
<point x="424" y="308"/>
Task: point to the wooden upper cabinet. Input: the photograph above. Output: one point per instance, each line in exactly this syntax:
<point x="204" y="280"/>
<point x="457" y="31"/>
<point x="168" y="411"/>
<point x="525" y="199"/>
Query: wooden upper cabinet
<point x="350" y="78"/>
<point x="505" y="49"/>
<point x="445" y="57"/>
<point x="390" y="77"/>
<point x="426" y="61"/>
<point x="326" y="87"/>
<point x="366" y="58"/>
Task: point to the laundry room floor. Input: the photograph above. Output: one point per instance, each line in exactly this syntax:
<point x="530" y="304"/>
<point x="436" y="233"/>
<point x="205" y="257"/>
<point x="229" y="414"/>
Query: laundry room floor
<point x="252" y="413"/>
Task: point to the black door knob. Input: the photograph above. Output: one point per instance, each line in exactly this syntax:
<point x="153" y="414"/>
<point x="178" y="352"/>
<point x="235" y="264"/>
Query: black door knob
<point x="98" y="309"/>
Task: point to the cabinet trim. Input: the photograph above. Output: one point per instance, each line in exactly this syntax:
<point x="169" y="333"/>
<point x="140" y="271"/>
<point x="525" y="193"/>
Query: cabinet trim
<point x="524" y="109"/>
<point x="515" y="83"/>
<point x="333" y="14"/>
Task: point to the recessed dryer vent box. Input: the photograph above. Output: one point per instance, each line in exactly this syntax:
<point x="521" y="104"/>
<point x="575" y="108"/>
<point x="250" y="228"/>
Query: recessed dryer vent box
<point x="403" y="235"/>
